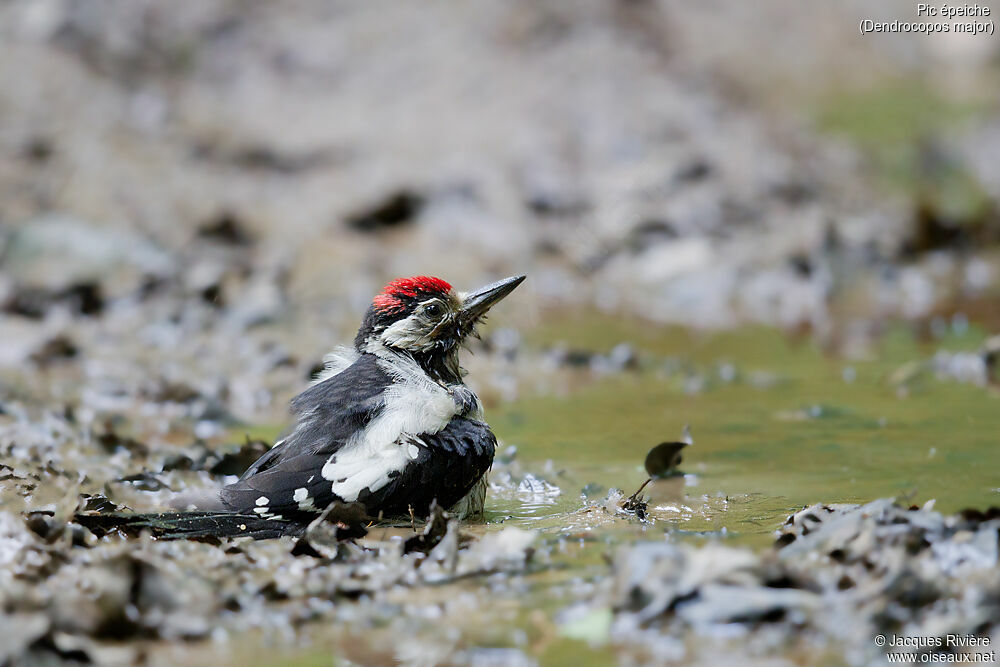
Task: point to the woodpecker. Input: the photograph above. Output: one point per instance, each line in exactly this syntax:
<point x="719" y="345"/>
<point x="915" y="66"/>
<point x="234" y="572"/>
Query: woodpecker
<point x="389" y="424"/>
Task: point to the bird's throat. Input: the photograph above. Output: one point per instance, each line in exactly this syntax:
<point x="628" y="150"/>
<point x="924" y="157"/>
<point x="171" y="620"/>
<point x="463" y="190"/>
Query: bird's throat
<point x="441" y="366"/>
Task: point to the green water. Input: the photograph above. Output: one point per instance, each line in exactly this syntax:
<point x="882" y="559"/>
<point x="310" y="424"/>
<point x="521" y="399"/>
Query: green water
<point x="777" y="425"/>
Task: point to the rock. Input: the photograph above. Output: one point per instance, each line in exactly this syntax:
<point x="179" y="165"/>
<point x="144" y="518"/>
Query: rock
<point x="263" y="158"/>
<point x="877" y="567"/>
<point x="18" y="632"/>
<point x="57" y="252"/>
<point x="227" y="228"/>
<point x="396" y="209"/>
<point x="261" y="300"/>
<point x="734" y="604"/>
<point x="84" y="298"/>
<point x="510" y="548"/>
<point x="58" y="349"/>
<point x="236" y="462"/>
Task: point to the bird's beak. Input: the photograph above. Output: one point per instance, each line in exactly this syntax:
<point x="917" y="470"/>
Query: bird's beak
<point x="476" y="303"/>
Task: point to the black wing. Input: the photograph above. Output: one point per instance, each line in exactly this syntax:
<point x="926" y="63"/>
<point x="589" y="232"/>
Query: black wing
<point x="448" y="464"/>
<point x="446" y="467"/>
<point x="326" y="415"/>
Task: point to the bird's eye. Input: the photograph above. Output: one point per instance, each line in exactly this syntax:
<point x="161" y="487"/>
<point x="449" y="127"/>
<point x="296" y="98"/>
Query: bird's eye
<point x="432" y="309"/>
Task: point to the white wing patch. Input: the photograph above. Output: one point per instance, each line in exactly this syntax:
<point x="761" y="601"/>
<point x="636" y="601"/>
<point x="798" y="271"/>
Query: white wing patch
<point x="263" y="508"/>
<point x="305" y="501"/>
<point x="413" y="404"/>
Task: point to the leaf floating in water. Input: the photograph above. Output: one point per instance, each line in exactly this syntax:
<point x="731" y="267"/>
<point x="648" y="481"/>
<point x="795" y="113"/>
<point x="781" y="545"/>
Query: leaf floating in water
<point x="434" y="531"/>
<point x="97" y="503"/>
<point x="636" y="504"/>
<point x="145" y="481"/>
<point x="664" y="458"/>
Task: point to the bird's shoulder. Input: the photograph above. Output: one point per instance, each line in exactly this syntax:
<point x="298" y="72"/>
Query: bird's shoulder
<point x="329" y="412"/>
<point x="358" y="383"/>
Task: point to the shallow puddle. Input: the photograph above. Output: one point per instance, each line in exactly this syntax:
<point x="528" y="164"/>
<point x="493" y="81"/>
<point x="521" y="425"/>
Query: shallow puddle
<point x="777" y="425"/>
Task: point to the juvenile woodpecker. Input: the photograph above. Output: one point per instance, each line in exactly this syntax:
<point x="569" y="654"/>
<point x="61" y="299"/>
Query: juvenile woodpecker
<point x="389" y="424"/>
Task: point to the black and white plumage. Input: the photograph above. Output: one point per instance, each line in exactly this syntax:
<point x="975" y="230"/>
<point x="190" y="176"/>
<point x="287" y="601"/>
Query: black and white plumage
<point x="376" y="433"/>
<point x="389" y="424"/>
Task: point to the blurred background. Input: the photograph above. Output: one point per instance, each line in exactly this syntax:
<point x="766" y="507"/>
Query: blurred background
<point x="704" y="165"/>
<point x="746" y="217"/>
<point x="200" y="199"/>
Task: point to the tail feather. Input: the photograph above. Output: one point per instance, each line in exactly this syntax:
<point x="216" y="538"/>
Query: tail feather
<point x="188" y="525"/>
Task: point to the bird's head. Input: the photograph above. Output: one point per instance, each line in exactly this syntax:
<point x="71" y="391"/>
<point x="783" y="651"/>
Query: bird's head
<point x="425" y="317"/>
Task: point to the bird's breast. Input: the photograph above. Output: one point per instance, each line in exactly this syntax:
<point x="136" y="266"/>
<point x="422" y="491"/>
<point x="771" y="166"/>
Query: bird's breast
<point x="411" y="407"/>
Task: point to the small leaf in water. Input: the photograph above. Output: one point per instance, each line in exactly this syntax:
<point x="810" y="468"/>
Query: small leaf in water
<point x="636" y="504"/>
<point x="662" y="459"/>
<point x="434" y="531"/>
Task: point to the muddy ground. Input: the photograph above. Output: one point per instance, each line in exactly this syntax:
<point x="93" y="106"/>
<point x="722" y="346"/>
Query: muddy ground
<point x="198" y="201"/>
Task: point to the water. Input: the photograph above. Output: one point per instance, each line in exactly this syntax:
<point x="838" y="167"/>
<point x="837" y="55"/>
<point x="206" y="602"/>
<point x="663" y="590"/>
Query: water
<point x="777" y="425"/>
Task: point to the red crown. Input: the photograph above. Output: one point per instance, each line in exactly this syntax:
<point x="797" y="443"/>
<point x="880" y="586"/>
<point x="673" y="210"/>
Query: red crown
<point x="390" y="296"/>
